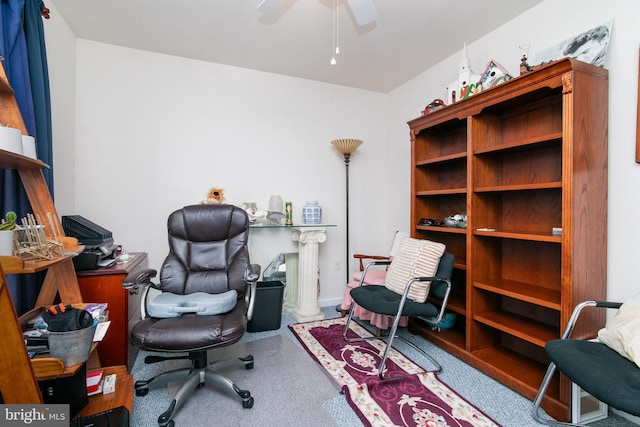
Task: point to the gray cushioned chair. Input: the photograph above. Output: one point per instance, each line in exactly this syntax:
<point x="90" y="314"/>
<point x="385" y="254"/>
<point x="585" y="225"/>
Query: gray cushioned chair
<point x="597" y="369"/>
<point x="207" y="253"/>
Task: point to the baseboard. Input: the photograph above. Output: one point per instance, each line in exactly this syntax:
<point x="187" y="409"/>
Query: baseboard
<point x="329" y="302"/>
<point x="625" y="415"/>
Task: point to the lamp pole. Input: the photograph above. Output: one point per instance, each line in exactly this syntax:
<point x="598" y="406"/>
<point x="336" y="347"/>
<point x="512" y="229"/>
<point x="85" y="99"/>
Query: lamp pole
<point x="347" y="147"/>
<point x="347" y="157"/>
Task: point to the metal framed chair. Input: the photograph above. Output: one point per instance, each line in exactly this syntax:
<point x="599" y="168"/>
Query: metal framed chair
<point x="595" y="367"/>
<point x="374" y="277"/>
<point x="382" y="300"/>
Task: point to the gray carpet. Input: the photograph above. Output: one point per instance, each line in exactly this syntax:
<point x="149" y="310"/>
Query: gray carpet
<point x="282" y="370"/>
<point x="291" y="389"/>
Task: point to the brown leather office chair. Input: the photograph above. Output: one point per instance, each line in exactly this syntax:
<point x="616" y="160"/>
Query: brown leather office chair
<point x="207" y="255"/>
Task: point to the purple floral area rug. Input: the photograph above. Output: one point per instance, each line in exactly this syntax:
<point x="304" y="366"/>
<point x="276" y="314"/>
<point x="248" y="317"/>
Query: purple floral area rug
<point x="416" y="399"/>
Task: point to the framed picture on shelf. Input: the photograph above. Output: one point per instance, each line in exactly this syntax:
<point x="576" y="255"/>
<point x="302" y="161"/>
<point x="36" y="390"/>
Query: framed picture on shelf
<point x="590" y="47"/>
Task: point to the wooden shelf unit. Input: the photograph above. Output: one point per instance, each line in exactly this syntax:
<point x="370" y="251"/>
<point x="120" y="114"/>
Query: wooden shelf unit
<point x="519" y="159"/>
<point x="18" y="378"/>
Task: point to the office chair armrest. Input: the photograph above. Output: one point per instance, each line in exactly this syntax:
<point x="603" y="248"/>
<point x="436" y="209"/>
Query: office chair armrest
<point x="139" y="278"/>
<point x="142" y="278"/>
<point x="251" y="276"/>
<point x="252" y="273"/>
<point x="578" y="309"/>
<point x="362" y="257"/>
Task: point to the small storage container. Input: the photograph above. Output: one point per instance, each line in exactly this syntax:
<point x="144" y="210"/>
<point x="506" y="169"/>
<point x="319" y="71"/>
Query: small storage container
<point x="72" y="347"/>
<point x="267" y="308"/>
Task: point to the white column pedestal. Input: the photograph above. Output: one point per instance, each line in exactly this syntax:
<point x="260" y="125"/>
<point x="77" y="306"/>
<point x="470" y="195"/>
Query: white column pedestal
<point x="309" y="239"/>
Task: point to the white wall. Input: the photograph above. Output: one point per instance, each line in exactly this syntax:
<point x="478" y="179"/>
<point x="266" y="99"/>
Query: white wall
<point x="153" y="132"/>
<point x="61" y="58"/>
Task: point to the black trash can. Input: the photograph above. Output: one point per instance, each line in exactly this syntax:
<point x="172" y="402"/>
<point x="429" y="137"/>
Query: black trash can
<point x="267" y="308"/>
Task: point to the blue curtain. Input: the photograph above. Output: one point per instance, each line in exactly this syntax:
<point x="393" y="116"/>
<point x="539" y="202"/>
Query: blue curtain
<point x="23" y="51"/>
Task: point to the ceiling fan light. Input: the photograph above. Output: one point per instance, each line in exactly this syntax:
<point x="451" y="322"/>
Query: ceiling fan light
<point x="363" y="11"/>
<point x="270" y="6"/>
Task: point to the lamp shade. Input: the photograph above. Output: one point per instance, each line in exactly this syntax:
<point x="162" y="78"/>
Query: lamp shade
<point x="346" y="146"/>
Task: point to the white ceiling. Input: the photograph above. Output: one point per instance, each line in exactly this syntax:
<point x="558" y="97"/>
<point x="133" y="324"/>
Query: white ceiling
<point x="408" y="37"/>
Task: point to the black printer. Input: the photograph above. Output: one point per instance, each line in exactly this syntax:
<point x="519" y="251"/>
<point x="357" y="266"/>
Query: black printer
<point x="98" y="242"/>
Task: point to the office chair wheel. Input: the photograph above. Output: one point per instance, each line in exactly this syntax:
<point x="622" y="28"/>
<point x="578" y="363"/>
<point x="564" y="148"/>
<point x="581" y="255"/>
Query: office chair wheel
<point x="248" y="362"/>
<point x="246" y="404"/>
<point x="141" y="388"/>
<point x="165" y="418"/>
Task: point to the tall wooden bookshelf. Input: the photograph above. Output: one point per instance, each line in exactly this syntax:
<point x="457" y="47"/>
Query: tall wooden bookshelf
<point x="519" y="159"/>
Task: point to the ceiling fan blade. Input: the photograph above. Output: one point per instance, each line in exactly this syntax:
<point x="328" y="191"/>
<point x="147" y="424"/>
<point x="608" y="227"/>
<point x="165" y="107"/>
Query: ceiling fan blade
<point x="363" y="10"/>
<point x="270" y="6"/>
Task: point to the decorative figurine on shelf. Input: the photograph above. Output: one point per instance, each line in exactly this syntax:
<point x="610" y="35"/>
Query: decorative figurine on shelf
<point x="215" y="196"/>
<point x="266" y="217"/>
<point x="526" y="68"/>
<point x="493" y="75"/>
<point x="467" y="82"/>
<point x="435" y="105"/>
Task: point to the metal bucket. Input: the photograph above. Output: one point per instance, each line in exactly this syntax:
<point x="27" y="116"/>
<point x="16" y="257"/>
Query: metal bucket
<point x="72" y="347"/>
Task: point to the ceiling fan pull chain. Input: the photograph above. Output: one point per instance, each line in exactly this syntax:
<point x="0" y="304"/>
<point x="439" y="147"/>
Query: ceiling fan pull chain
<point x="333" y="33"/>
<point x="337" y="28"/>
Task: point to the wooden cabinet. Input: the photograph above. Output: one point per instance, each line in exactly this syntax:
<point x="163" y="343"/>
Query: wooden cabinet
<point x="18" y="378"/>
<point x="105" y="285"/>
<point x="519" y="159"/>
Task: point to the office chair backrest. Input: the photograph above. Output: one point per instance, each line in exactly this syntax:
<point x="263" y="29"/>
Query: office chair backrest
<point x="445" y="269"/>
<point x="207" y="250"/>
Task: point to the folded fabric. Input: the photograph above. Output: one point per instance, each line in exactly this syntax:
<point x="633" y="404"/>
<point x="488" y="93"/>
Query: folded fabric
<point x="168" y="305"/>
<point x="622" y="332"/>
<point x="65" y="318"/>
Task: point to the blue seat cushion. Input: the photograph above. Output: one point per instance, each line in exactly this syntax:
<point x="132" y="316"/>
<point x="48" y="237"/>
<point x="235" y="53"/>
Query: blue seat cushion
<point x="167" y="304"/>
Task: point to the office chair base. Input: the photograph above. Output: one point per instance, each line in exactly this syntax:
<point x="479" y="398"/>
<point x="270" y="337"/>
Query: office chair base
<point x="196" y="377"/>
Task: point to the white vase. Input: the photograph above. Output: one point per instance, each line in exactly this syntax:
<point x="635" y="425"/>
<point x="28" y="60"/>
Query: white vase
<point x="11" y="139"/>
<point x="6" y="242"/>
<point x="276" y="204"/>
<point x="29" y="146"/>
<point x="311" y="213"/>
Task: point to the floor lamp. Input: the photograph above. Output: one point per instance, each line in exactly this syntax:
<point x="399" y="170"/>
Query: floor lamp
<point x="347" y="147"/>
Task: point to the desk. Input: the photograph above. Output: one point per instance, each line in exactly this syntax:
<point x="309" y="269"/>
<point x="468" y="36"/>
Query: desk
<point x="105" y="285"/>
<point x="309" y="237"/>
<point x="122" y="397"/>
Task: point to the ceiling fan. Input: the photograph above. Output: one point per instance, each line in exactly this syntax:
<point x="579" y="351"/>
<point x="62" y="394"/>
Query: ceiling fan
<point x="363" y="10"/>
